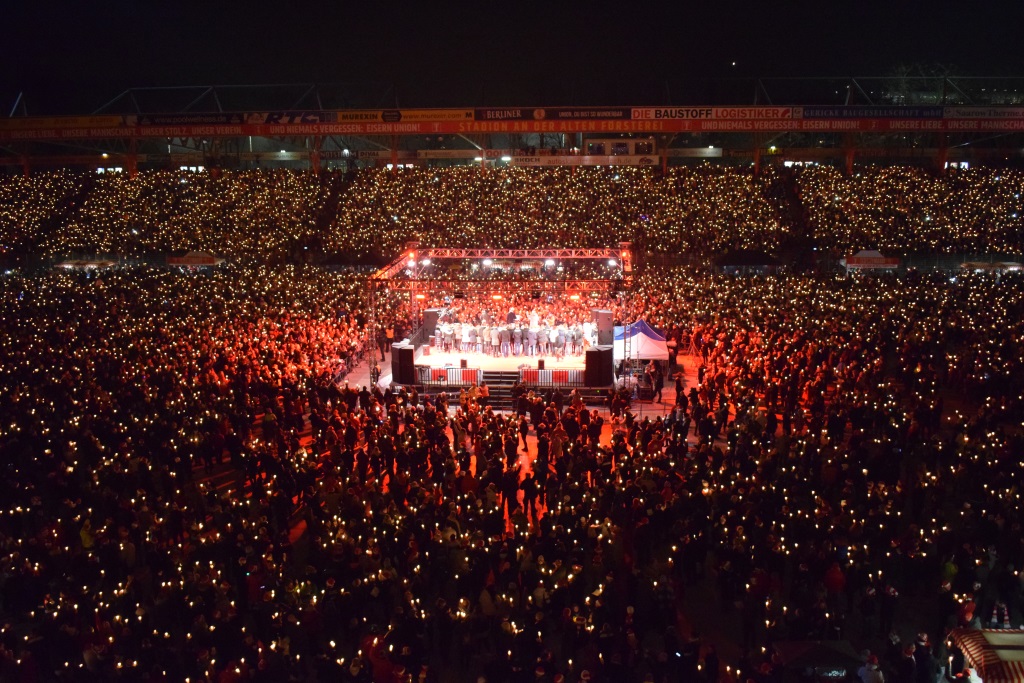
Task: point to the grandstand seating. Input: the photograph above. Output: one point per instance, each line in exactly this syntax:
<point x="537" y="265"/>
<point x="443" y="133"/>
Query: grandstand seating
<point x="367" y="216"/>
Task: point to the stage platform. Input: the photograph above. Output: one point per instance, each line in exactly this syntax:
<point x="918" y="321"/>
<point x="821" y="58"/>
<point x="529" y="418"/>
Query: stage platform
<point x="482" y="361"/>
<point x="687" y="365"/>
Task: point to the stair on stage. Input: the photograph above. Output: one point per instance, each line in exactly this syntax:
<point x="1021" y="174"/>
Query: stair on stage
<point x="500" y="383"/>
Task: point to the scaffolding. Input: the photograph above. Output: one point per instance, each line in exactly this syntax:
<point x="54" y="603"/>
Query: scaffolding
<point x="408" y="273"/>
<point x="632" y="365"/>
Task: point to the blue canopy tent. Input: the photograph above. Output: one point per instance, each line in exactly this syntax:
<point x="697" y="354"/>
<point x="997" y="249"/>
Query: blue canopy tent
<point x="645" y="342"/>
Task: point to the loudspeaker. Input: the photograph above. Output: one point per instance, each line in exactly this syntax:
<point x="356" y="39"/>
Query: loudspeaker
<point x="540" y="363"/>
<point x="592" y="364"/>
<point x="396" y="363"/>
<point x="463" y="363"/>
<point x="605" y="329"/>
<point x="403" y="369"/>
<point x="430" y="317"/>
<point x="598" y="368"/>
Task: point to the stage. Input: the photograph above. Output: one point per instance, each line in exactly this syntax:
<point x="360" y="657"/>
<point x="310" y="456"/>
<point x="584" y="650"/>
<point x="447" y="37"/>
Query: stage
<point x="432" y="358"/>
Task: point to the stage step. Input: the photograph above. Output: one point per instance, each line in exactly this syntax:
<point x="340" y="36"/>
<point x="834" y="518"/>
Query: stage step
<point x="500" y="383"/>
<point x="495" y="378"/>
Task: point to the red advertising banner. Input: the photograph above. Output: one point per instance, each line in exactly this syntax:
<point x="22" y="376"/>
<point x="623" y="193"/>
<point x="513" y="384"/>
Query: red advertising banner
<point x="715" y="113"/>
<point x="553" y="113"/>
<point x="869" y="262"/>
<point x="195" y="259"/>
<point x="587" y="160"/>
<point x="522" y="120"/>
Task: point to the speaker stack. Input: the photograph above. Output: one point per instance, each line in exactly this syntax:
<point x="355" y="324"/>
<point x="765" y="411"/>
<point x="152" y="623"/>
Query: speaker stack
<point x="603" y="323"/>
<point x="403" y="369"/>
<point x="598" y="371"/>
<point x="430" y="317"/>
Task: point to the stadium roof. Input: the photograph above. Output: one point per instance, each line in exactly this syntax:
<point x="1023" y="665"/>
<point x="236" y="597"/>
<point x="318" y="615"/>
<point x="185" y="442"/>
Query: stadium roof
<point x="808" y="118"/>
<point x="895" y="89"/>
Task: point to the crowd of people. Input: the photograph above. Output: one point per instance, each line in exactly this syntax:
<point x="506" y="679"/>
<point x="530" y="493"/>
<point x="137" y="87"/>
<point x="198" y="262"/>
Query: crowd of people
<point x="250" y="214"/>
<point x="902" y="209"/>
<point x="518" y="325"/>
<point x="193" y="492"/>
<point x="702" y="210"/>
<point x="368" y="215"/>
<point x="31" y="207"/>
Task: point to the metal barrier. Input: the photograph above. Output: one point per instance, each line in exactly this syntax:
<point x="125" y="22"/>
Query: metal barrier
<point x="448" y="376"/>
<point x="550" y="378"/>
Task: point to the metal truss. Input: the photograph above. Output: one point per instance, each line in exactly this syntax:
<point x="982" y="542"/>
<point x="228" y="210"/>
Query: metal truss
<point x="234" y="98"/>
<point x="495" y="254"/>
<point x="472" y="287"/>
<point x="418" y="286"/>
<point x="909" y="87"/>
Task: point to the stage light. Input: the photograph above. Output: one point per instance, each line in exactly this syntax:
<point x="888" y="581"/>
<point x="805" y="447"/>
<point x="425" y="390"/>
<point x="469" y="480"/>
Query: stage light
<point x="612" y="262"/>
<point x="425" y="262"/>
<point x="549" y="263"/>
<point x="574" y="297"/>
<point x="506" y="158"/>
<point x="412" y="263"/>
<point x="497" y="297"/>
<point x="421" y="297"/>
<point x="488" y="262"/>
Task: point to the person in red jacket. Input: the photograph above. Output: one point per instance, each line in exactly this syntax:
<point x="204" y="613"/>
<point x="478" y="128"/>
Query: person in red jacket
<point x="835" y="584"/>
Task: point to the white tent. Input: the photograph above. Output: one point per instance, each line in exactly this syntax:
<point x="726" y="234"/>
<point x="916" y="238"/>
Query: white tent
<point x="645" y="343"/>
<point x="869" y="259"/>
<point x="997" y="654"/>
<point x="87" y="264"/>
<point x="979" y="266"/>
<point x="195" y="258"/>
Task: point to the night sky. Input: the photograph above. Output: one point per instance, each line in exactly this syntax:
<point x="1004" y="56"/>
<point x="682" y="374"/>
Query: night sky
<point x="72" y="57"/>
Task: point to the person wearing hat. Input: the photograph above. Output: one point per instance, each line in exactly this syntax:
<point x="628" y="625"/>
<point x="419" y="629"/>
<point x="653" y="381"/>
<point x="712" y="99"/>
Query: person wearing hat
<point x="870" y="673"/>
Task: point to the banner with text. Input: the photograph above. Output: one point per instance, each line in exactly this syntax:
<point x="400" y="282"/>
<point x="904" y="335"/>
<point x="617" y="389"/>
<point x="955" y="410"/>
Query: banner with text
<point x="555" y="114"/>
<point x="599" y="120"/>
<point x="715" y="113"/>
<point x="586" y="160"/>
